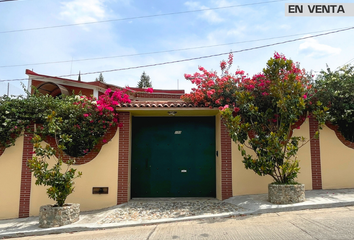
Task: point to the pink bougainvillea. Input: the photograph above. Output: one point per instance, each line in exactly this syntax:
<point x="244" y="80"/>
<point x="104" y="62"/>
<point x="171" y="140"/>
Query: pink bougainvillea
<point x="265" y="106"/>
<point x="149" y="90"/>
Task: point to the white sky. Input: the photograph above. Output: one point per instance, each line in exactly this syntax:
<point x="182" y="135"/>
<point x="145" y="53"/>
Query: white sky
<point x="239" y="25"/>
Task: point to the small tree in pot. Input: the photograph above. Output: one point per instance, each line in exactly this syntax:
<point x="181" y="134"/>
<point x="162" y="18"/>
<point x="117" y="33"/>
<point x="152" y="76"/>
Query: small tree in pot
<point x="60" y="182"/>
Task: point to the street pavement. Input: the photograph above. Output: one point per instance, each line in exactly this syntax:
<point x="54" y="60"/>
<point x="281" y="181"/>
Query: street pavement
<point x="314" y="224"/>
<point x="249" y="205"/>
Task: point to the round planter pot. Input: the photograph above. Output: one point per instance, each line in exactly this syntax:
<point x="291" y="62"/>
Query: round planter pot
<point x="50" y="216"/>
<point x="286" y="193"/>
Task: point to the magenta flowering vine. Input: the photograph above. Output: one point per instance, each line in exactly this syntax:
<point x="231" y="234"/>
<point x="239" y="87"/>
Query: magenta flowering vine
<point x="149" y="90"/>
<point x="97" y="116"/>
<point x="85" y="119"/>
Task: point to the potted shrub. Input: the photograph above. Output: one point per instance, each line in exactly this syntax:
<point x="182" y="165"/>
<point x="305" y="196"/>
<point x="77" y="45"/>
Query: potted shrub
<point x="60" y="182"/>
<point x="266" y="107"/>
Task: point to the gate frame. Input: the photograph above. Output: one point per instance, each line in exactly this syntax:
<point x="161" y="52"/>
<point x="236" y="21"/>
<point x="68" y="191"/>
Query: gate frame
<point x="223" y="158"/>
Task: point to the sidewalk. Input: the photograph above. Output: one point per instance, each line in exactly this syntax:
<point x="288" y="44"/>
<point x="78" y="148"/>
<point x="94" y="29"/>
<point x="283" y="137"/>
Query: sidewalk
<point x="171" y="210"/>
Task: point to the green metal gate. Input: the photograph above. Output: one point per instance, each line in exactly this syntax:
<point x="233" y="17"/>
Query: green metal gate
<point x="173" y="157"/>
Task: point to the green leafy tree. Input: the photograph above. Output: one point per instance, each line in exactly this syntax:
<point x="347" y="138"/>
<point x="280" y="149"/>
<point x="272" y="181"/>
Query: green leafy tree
<point x="336" y="90"/>
<point x="144" y="81"/>
<point x="100" y="78"/>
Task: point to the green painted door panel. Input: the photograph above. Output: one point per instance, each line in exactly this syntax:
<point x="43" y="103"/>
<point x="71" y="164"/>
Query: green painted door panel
<point x="173" y="157"/>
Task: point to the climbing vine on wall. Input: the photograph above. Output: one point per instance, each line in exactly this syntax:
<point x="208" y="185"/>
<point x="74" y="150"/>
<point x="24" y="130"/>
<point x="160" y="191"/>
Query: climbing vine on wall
<point x="84" y="119"/>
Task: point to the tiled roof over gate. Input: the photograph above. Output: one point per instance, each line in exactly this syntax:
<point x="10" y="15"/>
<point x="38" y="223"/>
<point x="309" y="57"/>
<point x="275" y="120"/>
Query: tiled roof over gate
<point x="156" y="104"/>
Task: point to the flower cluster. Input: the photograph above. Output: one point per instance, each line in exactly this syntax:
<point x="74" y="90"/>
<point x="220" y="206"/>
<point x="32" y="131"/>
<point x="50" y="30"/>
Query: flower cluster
<point x="88" y="119"/>
<point x="211" y="89"/>
<point x="149" y="90"/>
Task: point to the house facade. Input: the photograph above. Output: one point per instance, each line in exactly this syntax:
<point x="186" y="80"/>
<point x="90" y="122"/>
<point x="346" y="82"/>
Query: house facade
<point x="165" y="148"/>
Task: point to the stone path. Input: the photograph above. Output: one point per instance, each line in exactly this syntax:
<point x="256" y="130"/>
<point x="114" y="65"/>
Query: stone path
<point x="137" y="210"/>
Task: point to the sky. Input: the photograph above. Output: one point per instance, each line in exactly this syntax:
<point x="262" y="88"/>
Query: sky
<point x="53" y="38"/>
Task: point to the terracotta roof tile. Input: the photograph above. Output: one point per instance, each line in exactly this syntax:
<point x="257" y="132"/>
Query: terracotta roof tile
<point x="157" y="104"/>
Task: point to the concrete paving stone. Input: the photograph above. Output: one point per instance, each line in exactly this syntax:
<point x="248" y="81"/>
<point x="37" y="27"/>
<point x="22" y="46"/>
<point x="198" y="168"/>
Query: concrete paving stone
<point x="138" y="210"/>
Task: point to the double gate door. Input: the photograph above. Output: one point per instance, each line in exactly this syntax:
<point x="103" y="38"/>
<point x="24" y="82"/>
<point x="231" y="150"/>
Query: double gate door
<point x="173" y="157"/>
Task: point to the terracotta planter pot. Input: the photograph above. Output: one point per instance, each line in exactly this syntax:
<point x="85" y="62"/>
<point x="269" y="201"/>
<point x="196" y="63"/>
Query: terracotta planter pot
<point x="286" y="193"/>
<point x="50" y="216"/>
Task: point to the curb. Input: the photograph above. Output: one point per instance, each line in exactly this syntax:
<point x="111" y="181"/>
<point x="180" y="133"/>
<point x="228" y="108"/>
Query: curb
<point x="303" y="207"/>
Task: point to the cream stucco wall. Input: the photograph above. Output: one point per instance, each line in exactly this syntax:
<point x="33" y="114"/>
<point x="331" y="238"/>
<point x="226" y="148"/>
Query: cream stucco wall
<point x="10" y="180"/>
<point x="246" y="181"/>
<point x="337" y="161"/>
<point x="102" y="171"/>
<point x="304" y="156"/>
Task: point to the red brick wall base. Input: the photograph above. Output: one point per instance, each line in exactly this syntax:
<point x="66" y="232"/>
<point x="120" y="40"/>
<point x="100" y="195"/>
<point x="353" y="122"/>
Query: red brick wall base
<point x="123" y="161"/>
<point x="25" y="191"/>
<point x="226" y="163"/>
<point x="315" y="155"/>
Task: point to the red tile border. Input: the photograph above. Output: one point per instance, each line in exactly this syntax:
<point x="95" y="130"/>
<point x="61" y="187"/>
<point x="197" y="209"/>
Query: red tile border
<point x="341" y="138"/>
<point x="315" y="155"/>
<point x="226" y="163"/>
<point x="123" y="158"/>
<point x="2" y="150"/>
<point x="251" y="134"/>
<point x="158" y="104"/>
<point x="92" y="154"/>
<point x="298" y="123"/>
<point x="25" y="190"/>
<point x="15" y="136"/>
<point x="157" y="95"/>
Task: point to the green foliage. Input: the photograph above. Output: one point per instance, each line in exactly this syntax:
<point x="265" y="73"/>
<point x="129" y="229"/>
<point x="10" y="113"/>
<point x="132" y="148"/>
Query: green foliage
<point x="99" y="79"/>
<point x="60" y="183"/>
<point x="144" y="81"/>
<point x="85" y="119"/>
<point x="10" y="125"/>
<point x="17" y="113"/>
<point x="336" y="91"/>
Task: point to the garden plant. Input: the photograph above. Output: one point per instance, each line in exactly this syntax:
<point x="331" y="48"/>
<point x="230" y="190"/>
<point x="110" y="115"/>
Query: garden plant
<point x="260" y="112"/>
<point x="61" y="183"/>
